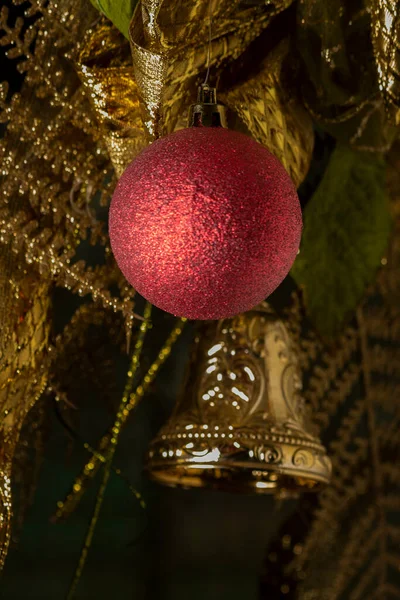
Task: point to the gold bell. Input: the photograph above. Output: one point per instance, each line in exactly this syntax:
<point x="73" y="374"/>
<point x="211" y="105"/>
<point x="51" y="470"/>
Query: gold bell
<point x="241" y="423"/>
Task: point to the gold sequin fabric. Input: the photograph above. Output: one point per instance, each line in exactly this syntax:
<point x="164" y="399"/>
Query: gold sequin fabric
<point x="273" y="115"/>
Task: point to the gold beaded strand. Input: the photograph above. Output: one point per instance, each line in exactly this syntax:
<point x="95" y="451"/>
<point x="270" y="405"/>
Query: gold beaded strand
<point x="66" y="507"/>
<point x="110" y="441"/>
<point x="116" y="429"/>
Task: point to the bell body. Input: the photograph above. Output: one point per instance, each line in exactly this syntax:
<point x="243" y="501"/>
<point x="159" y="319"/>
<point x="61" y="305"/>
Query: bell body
<point x="241" y="423"/>
<point x="205" y="223"/>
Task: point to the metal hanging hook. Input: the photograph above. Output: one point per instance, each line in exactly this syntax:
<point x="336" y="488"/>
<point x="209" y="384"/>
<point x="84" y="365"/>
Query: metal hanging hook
<point x="209" y="41"/>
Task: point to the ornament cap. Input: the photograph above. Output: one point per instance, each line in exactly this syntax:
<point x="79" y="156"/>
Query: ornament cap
<point x="207" y="112"/>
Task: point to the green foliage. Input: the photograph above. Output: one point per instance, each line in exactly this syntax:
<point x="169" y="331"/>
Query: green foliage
<point x="118" y="11"/>
<point x="346" y="229"/>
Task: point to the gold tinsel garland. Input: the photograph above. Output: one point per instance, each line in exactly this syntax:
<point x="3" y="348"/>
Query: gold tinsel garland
<point x="53" y="162"/>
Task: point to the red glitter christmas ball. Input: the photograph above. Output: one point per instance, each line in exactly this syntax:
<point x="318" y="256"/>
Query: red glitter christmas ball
<point x="205" y="223"/>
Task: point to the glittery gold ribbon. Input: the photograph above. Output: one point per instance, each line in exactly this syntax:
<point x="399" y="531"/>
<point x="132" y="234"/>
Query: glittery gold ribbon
<point x="106" y="73"/>
<point x="23" y="378"/>
<point x="149" y="63"/>
<point x="5" y="501"/>
<point x="138" y="103"/>
<point x="169" y="41"/>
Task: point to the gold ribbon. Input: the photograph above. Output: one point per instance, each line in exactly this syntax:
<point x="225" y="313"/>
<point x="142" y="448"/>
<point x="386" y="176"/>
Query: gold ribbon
<point x="273" y="115"/>
<point x="169" y="41"/>
<point x="23" y="378"/>
<point x="106" y="73"/>
<point x="138" y="103"/>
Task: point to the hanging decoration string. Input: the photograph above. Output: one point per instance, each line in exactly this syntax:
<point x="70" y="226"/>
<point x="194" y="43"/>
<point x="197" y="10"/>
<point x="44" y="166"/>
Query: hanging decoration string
<point x="209" y="49"/>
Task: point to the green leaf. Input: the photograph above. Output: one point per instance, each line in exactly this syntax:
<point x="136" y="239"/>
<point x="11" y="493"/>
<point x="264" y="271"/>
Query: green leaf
<point x="118" y="11"/>
<point x="346" y="229"/>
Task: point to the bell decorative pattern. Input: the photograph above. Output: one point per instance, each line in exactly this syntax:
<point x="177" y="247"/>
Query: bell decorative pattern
<point x="241" y="423"/>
